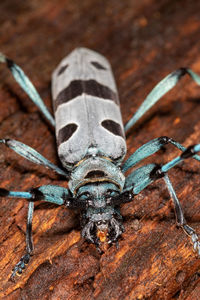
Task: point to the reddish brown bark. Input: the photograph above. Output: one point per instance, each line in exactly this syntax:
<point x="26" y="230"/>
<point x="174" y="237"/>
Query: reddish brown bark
<point x="144" y="41"/>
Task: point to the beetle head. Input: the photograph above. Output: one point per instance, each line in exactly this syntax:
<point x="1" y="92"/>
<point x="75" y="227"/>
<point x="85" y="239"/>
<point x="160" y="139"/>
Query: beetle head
<point x="101" y="219"/>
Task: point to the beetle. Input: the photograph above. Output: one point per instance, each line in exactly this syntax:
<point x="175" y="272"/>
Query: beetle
<point x="91" y="146"/>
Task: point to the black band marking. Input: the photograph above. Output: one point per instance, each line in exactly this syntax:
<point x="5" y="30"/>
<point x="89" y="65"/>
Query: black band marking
<point x="62" y="69"/>
<point x="122" y="198"/>
<point x="163" y="140"/>
<point x="36" y="195"/>
<point x="90" y="87"/>
<point x="180" y="73"/>
<point x="156" y="173"/>
<point x="10" y="63"/>
<point x="66" y="132"/>
<point x="97" y="65"/>
<point x="4" y="192"/>
<point x="113" y="127"/>
<point x="189" y="152"/>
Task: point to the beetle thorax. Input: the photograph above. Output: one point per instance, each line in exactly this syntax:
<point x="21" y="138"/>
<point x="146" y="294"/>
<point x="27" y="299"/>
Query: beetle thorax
<point x="96" y="169"/>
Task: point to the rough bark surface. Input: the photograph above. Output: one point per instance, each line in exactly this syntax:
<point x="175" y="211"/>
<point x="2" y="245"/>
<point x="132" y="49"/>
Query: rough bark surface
<point x="144" y="41"/>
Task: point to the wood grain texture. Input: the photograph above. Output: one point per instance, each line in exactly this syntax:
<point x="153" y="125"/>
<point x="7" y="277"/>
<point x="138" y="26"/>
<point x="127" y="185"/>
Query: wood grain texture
<point x="144" y="41"/>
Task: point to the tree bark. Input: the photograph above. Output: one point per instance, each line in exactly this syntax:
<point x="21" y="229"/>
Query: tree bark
<point x="144" y="41"/>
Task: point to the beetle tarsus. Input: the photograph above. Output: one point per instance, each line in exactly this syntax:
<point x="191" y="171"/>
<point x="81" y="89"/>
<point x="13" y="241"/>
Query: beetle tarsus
<point x="194" y="238"/>
<point x="20" y="266"/>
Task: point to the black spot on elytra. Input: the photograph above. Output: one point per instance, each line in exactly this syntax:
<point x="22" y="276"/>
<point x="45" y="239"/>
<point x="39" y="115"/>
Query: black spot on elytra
<point x="113" y="127"/>
<point x="98" y="65"/>
<point x="62" y="69"/>
<point x="66" y="132"/>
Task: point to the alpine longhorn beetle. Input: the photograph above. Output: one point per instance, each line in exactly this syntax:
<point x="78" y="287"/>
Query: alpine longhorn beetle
<point x="91" y="146"/>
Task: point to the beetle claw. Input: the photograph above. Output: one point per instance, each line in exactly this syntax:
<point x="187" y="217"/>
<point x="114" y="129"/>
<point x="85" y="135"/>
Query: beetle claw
<point x="20" y="266"/>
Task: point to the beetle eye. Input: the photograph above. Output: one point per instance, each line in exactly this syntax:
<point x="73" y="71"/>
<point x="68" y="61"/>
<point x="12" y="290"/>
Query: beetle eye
<point x="112" y="193"/>
<point x="84" y="196"/>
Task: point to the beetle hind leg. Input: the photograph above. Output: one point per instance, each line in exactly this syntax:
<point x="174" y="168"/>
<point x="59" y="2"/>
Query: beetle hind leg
<point x="27" y="86"/>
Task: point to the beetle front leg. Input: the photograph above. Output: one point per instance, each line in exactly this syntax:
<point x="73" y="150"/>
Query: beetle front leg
<point x="49" y="193"/>
<point x="150" y="148"/>
<point x="24" y="260"/>
<point x="143" y="176"/>
<point x="181" y="222"/>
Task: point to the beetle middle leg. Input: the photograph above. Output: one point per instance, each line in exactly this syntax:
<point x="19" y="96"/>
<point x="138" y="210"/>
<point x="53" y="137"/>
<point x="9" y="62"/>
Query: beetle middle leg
<point x="32" y="155"/>
<point x="150" y="148"/>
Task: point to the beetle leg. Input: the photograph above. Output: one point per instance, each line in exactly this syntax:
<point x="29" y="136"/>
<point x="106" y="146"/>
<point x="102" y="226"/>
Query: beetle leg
<point x="32" y="155"/>
<point x="150" y="148"/>
<point x="20" y="266"/>
<point x="180" y="217"/>
<point x="27" y="86"/>
<point x="160" y="90"/>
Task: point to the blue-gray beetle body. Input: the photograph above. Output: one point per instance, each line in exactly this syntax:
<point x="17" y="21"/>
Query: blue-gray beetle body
<point x="90" y="136"/>
<point x="91" y="146"/>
